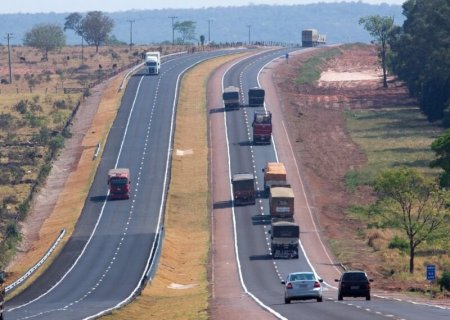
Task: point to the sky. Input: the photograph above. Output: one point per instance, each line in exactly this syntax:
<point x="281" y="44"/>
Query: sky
<point x="64" y="6"/>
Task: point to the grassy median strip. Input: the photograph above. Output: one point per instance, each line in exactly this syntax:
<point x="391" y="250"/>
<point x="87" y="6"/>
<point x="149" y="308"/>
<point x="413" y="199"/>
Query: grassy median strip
<point x="180" y="287"/>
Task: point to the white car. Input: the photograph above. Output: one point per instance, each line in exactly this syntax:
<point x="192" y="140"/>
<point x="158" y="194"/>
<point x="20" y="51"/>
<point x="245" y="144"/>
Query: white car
<point x="302" y="286"/>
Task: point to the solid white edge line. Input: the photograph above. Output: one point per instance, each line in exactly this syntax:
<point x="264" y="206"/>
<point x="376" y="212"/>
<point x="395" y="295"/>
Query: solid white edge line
<point x="236" y="249"/>
<point x="161" y="212"/>
<point x="96" y="224"/>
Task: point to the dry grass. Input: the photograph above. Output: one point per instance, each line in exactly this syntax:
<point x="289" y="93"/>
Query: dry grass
<point x="71" y="200"/>
<point x="184" y="258"/>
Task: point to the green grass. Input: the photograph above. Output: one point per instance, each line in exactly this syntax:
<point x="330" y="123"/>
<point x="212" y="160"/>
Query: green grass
<point x="310" y="71"/>
<point x="390" y="137"/>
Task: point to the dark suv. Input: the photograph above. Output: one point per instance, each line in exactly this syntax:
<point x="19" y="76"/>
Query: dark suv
<point x="354" y="284"/>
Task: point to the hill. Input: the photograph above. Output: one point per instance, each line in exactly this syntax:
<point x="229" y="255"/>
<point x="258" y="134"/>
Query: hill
<point x="279" y="23"/>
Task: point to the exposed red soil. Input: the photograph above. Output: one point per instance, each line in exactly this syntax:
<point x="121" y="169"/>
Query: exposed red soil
<point x="314" y="115"/>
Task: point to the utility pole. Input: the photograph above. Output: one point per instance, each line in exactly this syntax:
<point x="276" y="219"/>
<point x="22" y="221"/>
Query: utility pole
<point x="249" y="27"/>
<point x="8" y="37"/>
<point x="209" y="30"/>
<point x="173" y="30"/>
<point x="131" y="33"/>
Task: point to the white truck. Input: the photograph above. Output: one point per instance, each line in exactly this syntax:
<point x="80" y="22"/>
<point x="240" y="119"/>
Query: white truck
<point x="153" y="62"/>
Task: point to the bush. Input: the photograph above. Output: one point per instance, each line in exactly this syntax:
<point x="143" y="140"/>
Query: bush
<point x="399" y="243"/>
<point x="22" y="106"/>
<point x="444" y="281"/>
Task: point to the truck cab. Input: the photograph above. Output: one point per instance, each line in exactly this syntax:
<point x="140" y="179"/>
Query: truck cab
<point x="284" y="237"/>
<point x="119" y="183"/>
<point x="153" y="62"/>
<point x="256" y="97"/>
<point x="244" y="191"/>
<point x="230" y="98"/>
<point x="262" y="127"/>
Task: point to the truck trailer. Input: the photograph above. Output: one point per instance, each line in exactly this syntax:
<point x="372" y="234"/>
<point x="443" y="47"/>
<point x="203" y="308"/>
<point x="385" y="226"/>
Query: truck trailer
<point x="256" y="97"/>
<point x="262" y="127"/>
<point x="119" y="183"/>
<point x="312" y="38"/>
<point x="274" y="176"/>
<point x="231" y="98"/>
<point x="244" y="191"/>
<point x="281" y="203"/>
<point x="153" y="62"/>
<point x="284" y="239"/>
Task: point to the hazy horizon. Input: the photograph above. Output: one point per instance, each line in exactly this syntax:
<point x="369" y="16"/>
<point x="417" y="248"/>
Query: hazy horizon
<point x="58" y="6"/>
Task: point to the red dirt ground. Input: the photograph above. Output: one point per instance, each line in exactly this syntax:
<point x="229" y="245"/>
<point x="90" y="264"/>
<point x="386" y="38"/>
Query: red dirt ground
<point x="315" y="119"/>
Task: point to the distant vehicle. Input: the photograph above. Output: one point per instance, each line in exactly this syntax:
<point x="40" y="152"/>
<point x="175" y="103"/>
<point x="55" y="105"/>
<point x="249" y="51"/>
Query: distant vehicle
<point x="119" y="183"/>
<point x="284" y="237"/>
<point x="281" y="203"/>
<point x="354" y="284"/>
<point x="262" y="127"/>
<point x="302" y="286"/>
<point x="244" y="188"/>
<point x="274" y="176"/>
<point x="312" y="38"/>
<point x="231" y="98"/>
<point x="256" y="97"/>
<point x="153" y="62"/>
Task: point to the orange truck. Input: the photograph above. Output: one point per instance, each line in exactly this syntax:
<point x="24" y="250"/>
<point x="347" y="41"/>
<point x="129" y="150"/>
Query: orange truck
<point x="274" y="176"/>
<point x="119" y="183"/>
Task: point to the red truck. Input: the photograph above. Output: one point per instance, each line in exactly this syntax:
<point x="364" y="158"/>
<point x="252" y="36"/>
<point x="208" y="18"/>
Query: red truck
<point x="244" y="188"/>
<point x="262" y="127"/>
<point x="119" y="183"/>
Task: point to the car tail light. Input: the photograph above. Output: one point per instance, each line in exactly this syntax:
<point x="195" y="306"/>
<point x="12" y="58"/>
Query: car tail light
<point x="316" y="284"/>
<point x="368" y="286"/>
<point x="289" y="285"/>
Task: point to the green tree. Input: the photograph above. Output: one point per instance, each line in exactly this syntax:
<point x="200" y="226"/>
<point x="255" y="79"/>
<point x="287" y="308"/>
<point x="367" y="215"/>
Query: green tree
<point x="379" y="28"/>
<point x="46" y="37"/>
<point x="96" y="28"/>
<point x="421" y="55"/>
<point x="186" y="30"/>
<point x="409" y="201"/>
<point x="441" y="146"/>
<point x="73" y="22"/>
<point x="202" y="40"/>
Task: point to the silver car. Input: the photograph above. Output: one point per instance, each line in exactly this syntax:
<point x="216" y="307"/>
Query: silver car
<point x="302" y="286"/>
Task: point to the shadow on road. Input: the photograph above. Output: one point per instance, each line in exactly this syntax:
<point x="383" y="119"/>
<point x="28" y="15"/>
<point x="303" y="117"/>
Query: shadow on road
<point x="261" y="257"/>
<point x="261" y="219"/>
<point x="223" y="204"/>
<point x="98" y="198"/>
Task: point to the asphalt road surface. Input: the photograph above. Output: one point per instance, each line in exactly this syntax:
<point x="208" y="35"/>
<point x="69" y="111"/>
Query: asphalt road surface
<point x="106" y="260"/>
<point x="260" y="274"/>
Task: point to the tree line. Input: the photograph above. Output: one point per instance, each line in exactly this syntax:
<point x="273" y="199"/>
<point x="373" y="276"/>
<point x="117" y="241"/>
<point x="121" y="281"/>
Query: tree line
<point x="418" y="53"/>
<point x="94" y="29"/>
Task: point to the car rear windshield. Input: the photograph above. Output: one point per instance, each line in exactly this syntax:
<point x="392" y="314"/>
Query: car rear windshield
<point x="356" y="276"/>
<point x="302" y="277"/>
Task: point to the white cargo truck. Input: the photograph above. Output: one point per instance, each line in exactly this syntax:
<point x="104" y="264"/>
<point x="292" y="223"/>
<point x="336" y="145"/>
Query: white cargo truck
<point x="153" y="62"/>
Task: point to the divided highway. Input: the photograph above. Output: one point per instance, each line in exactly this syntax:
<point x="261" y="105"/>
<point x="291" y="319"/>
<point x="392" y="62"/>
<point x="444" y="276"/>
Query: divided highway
<point x="109" y="255"/>
<point x="260" y="274"/>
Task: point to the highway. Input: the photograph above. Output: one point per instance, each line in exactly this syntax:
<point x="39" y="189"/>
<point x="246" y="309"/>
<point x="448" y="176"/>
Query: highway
<point x="260" y="274"/>
<point x="110" y="252"/>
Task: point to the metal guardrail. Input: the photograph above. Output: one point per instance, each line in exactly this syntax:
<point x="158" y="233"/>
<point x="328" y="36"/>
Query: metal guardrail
<point x="27" y="274"/>
<point x="97" y="150"/>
